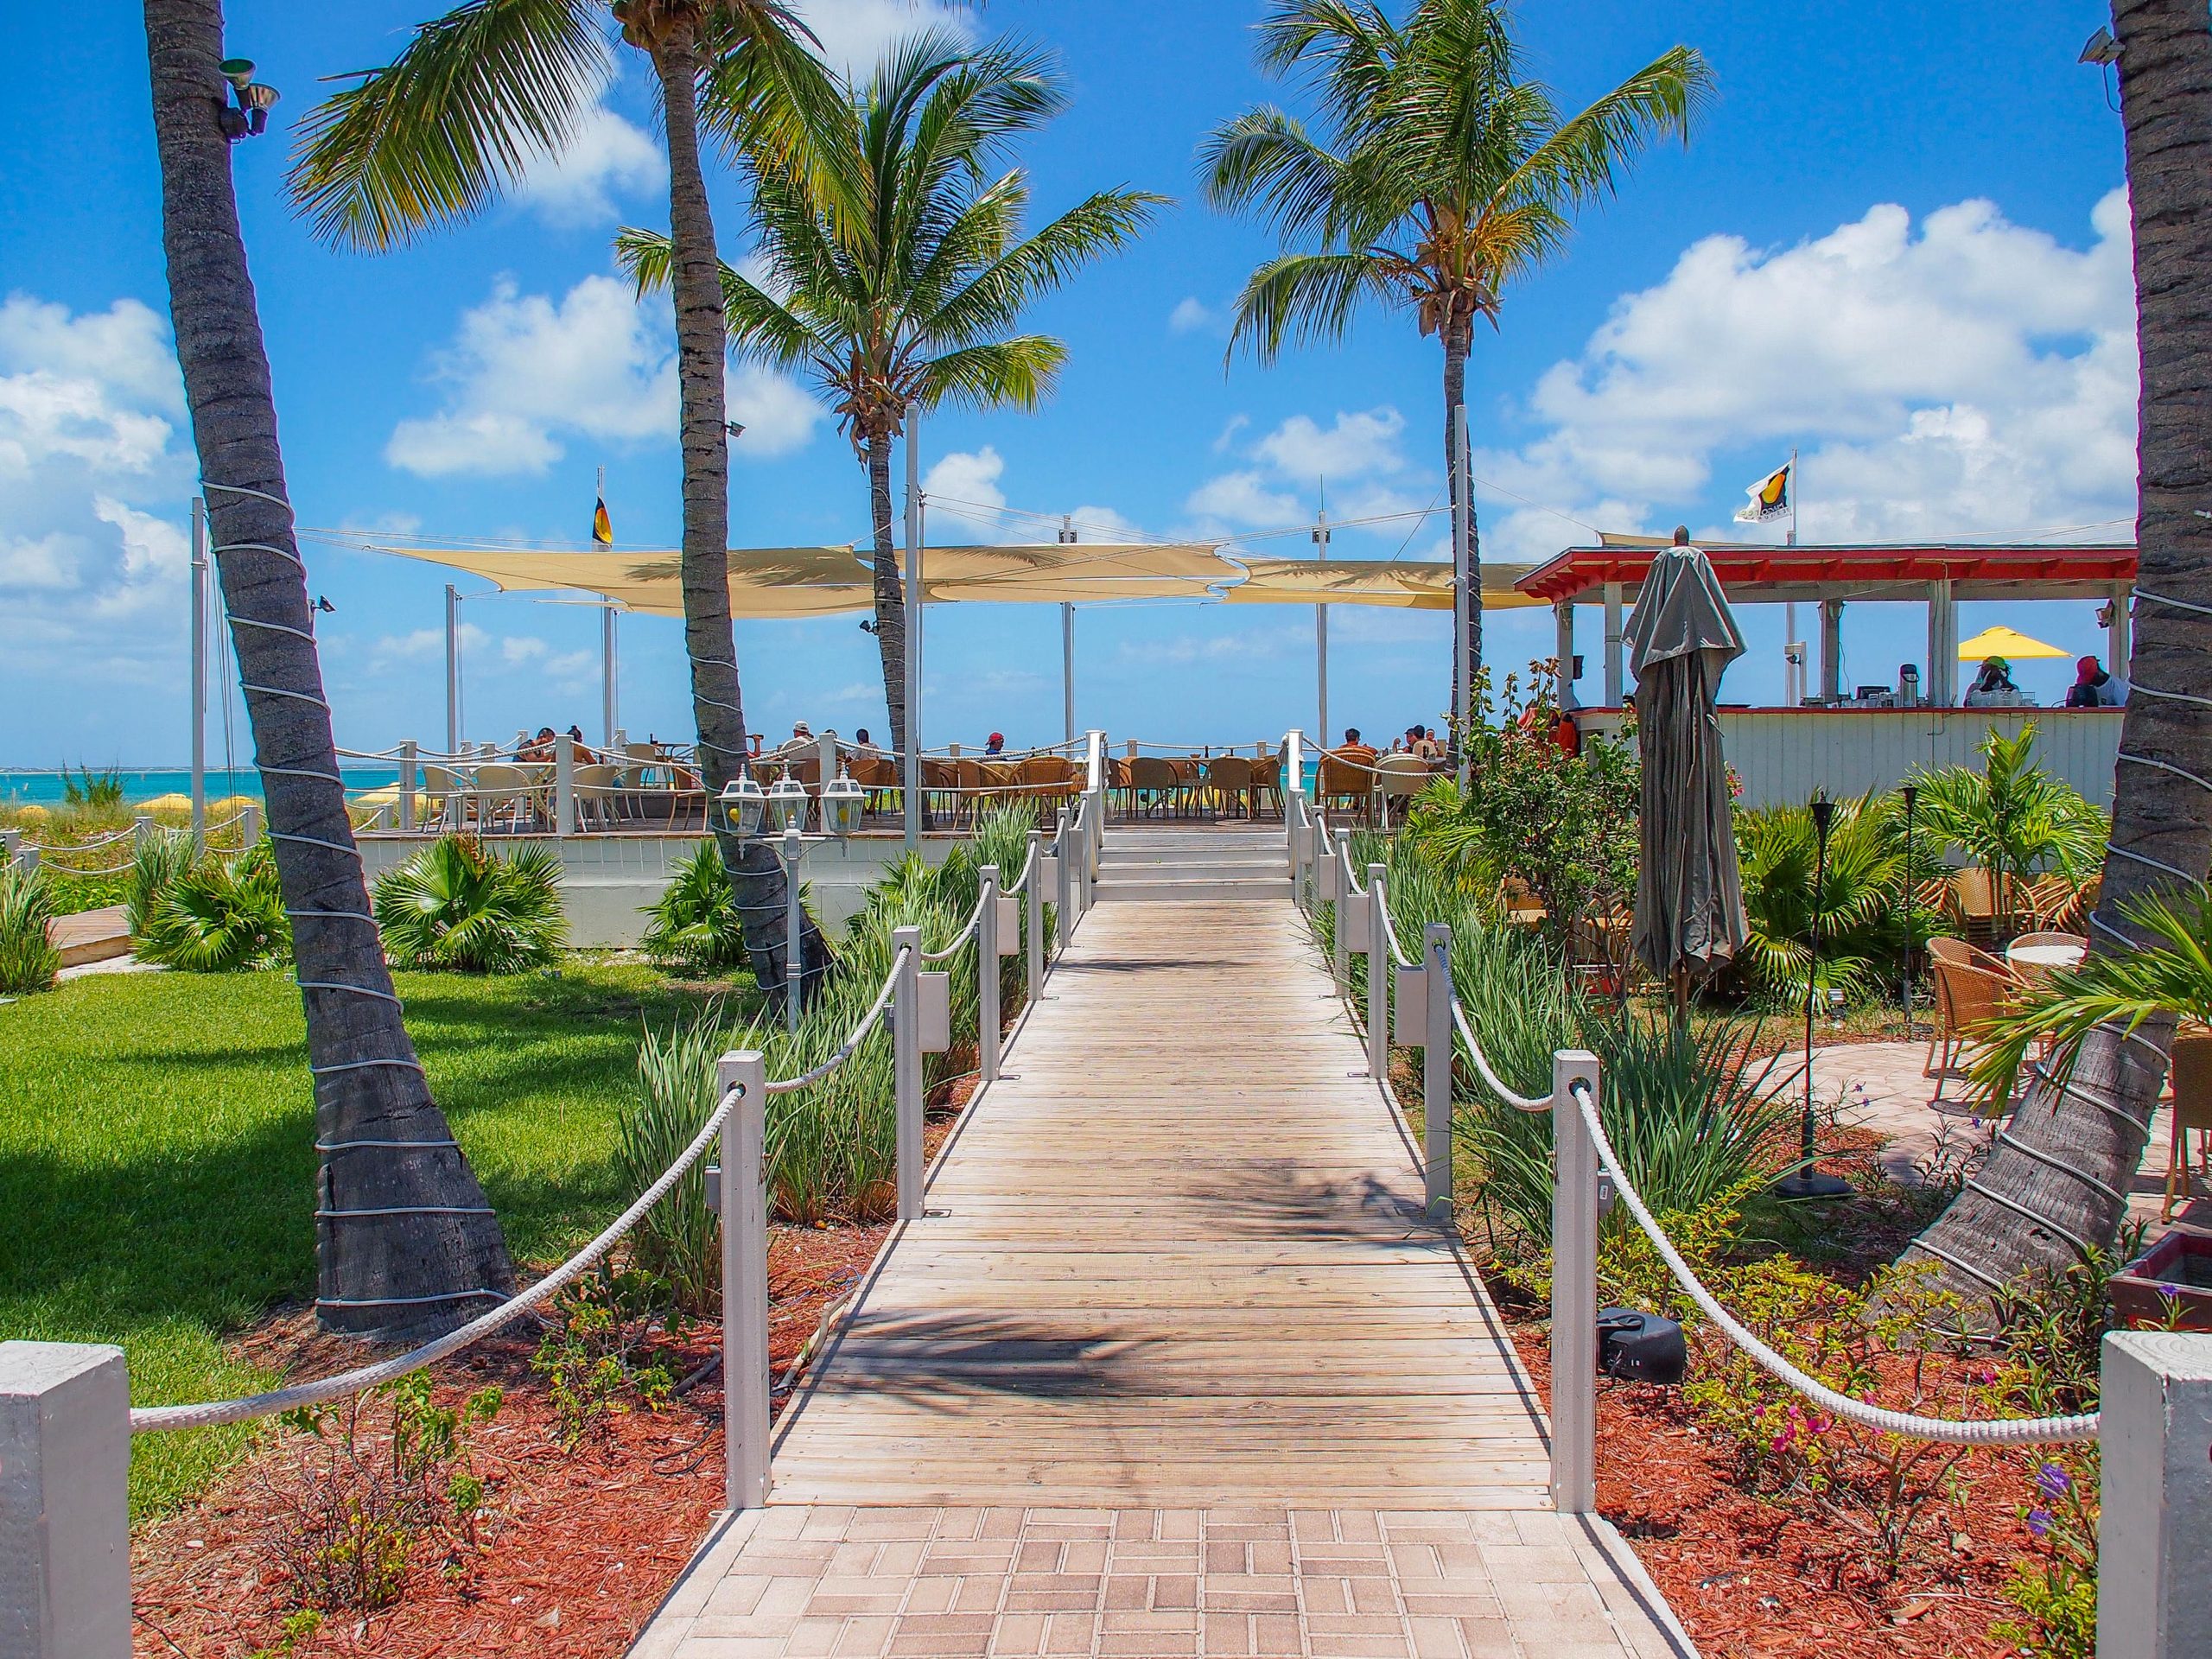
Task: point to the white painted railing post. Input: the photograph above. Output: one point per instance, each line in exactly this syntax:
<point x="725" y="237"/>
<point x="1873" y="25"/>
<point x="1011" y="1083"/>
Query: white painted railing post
<point x="141" y="829"/>
<point x="1340" y="904"/>
<point x="1436" y="1066"/>
<point x="987" y="974"/>
<point x="1378" y="980"/>
<point x="250" y="823"/>
<point x="407" y="776"/>
<point x="745" y="1281"/>
<point x="564" y="785"/>
<point x="2154" y="1599"/>
<point x="1575" y="1287"/>
<point x="1063" y="856"/>
<point x="906" y="1067"/>
<point x="65" y="1520"/>
<point x="794" y="931"/>
<point x="1033" y="898"/>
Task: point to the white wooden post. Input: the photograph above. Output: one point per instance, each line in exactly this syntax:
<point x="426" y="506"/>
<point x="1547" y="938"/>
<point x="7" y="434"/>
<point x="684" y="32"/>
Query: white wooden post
<point x="250" y="823"/>
<point x="1574" y="1288"/>
<point x="2154" y="1598"/>
<point x="1616" y="671"/>
<point x="141" y="829"/>
<point x="906" y="1068"/>
<point x="1064" y="857"/>
<point x="564" y="785"/>
<point x="1340" y="916"/>
<point x="794" y="931"/>
<point x="10" y="842"/>
<point x="1033" y="897"/>
<point x="407" y="754"/>
<point x="745" y="1281"/>
<point x="1378" y="982"/>
<point x="65" y="1522"/>
<point x="1436" y="1066"/>
<point x="987" y="974"/>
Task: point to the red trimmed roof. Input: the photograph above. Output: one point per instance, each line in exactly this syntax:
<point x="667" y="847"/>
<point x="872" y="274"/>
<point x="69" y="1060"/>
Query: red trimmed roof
<point x="1581" y="570"/>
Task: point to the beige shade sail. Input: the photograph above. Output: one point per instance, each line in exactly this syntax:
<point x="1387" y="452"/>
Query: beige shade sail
<point x="1077" y="573"/>
<point x="764" y="581"/>
<point x="1405" y="586"/>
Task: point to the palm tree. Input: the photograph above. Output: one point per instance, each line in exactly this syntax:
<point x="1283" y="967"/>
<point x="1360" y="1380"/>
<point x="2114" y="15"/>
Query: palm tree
<point x="1446" y="175"/>
<point x="2055" y="1181"/>
<point x="2013" y="818"/>
<point x="439" y="132"/>
<point x="404" y="1240"/>
<point x="893" y="271"/>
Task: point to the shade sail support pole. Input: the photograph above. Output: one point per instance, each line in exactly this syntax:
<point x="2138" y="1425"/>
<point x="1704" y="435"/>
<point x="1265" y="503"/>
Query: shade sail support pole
<point x="453" y="670"/>
<point x="1321" y="626"/>
<point x="199" y="672"/>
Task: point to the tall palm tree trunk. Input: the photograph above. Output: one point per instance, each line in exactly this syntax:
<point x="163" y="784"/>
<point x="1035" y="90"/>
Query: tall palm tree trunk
<point x="404" y="1240"/>
<point x="2064" y="1160"/>
<point x="717" y="704"/>
<point x="890" y="591"/>
<point x="1456" y="342"/>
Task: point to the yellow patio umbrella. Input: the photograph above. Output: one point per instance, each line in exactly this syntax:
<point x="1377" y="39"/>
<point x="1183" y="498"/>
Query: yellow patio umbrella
<point x="2007" y="643"/>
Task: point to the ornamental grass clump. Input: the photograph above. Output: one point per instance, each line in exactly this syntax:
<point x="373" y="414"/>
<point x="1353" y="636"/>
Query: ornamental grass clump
<point x="28" y="960"/>
<point x="454" y="905"/>
<point x="158" y="863"/>
<point x="693" y="927"/>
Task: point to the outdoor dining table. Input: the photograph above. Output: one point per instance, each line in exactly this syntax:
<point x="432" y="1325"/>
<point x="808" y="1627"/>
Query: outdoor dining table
<point x="2039" y="960"/>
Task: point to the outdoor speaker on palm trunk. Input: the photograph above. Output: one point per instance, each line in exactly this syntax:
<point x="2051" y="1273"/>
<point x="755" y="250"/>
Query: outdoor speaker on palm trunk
<point x="1640" y="1347"/>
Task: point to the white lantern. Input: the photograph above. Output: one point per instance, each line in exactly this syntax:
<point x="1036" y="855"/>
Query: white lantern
<point x="741" y="809"/>
<point x="843" y="801"/>
<point x="787" y="804"/>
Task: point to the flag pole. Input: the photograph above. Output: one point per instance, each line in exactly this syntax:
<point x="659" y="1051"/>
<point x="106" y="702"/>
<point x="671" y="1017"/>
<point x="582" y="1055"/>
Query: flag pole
<point x="609" y="706"/>
<point x="1793" y="495"/>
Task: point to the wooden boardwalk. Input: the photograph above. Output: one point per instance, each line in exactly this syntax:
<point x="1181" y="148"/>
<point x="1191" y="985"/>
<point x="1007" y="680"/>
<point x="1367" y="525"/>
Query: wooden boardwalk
<point x="1176" y="1257"/>
<point x="1175" y="1365"/>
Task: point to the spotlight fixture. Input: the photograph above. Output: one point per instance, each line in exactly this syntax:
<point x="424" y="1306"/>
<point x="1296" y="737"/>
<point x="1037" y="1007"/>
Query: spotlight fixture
<point x="250" y="113"/>
<point x="2100" y="48"/>
<point x="239" y="72"/>
<point x="257" y="100"/>
<point x="736" y="428"/>
<point x="323" y="603"/>
<point x="868" y="627"/>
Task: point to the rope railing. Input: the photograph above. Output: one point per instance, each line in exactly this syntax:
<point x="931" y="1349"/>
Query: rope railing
<point x="960" y="939"/>
<point x="155" y="1419"/>
<point x="2018" y="1431"/>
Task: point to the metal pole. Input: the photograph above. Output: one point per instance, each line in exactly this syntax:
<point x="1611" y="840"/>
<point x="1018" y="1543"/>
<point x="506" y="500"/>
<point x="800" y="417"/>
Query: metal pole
<point x="744" y="1281"/>
<point x="1378" y="982"/>
<point x="1793" y="494"/>
<point x="453" y="671"/>
<point x="564" y="785"/>
<point x="1067" y="671"/>
<point x="1033" y="896"/>
<point x="1904" y="966"/>
<point x="1321" y="626"/>
<point x="1436" y="1066"/>
<point x="199" y="672"/>
<point x="906" y="1068"/>
<point x="407" y="775"/>
<point x="610" y="688"/>
<point x="794" y="936"/>
<point x="1575" y="1287"/>
<point x="987" y="974"/>
<point x="913" y="620"/>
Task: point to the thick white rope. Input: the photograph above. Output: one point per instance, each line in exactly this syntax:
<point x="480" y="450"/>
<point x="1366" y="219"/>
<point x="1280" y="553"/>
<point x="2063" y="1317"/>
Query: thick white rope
<point x="959" y="939"/>
<point x="786" y="1085"/>
<point x="1511" y="1096"/>
<point x="151" y="1419"/>
<point x="1999" y="1431"/>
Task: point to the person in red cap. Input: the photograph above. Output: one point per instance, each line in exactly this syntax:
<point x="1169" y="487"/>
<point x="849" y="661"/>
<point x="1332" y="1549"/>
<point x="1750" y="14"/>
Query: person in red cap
<point x="996" y="745"/>
<point x="2095" y="688"/>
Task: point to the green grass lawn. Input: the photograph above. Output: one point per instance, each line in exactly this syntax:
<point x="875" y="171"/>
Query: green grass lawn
<point x="157" y="1160"/>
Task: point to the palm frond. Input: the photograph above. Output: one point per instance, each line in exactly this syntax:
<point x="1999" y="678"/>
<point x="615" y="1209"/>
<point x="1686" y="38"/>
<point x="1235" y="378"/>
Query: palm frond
<point x="1265" y="157"/>
<point x="1103" y="222"/>
<point x="1312" y="296"/>
<point x="438" y="133"/>
<point x="994" y="374"/>
<point x="1580" y="162"/>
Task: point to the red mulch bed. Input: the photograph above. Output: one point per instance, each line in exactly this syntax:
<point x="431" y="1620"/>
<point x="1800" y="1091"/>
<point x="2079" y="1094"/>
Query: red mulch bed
<point x="581" y="1546"/>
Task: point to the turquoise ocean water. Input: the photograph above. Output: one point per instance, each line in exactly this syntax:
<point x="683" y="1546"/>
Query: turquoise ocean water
<point x="20" y="787"/>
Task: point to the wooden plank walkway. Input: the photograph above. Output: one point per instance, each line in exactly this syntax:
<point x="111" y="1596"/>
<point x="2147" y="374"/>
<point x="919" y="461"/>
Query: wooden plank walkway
<point x="1176" y="1257"/>
<point x="1175" y="1365"/>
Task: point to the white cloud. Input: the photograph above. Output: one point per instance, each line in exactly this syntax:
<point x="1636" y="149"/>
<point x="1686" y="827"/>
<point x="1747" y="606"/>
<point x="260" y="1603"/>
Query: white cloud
<point x="607" y="158"/>
<point x="1231" y="427"/>
<point x="854" y="33"/>
<point x="525" y="369"/>
<point x="421" y="644"/>
<point x="518" y="648"/>
<point x="1356" y="446"/>
<point x="966" y="480"/>
<point x="1969" y="377"/>
<point x="1189" y="315"/>
<point x="1248" y="644"/>
<point x="1243" y="500"/>
<point x="48" y="562"/>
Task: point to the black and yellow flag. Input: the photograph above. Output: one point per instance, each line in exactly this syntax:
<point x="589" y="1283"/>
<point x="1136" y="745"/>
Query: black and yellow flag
<point x="603" y="527"/>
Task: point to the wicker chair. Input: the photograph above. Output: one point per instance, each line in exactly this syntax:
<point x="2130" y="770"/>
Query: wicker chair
<point x="1151" y="775"/>
<point x="598" y="796"/>
<point x="1345" y="783"/>
<point x="1966" y="994"/>
<point x="1228" y="777"/>
<point x="2192" y="1111"/>
<point x="1399" y="778"/>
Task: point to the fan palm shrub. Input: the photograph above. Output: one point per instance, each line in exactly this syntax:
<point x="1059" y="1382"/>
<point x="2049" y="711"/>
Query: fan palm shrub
<point x="895" y="267"/>
<point x="158" y="863"/>
<point x="1860" y="899"/>
<point x="1443" y="176"/>
<point x="28" y="960"/>
<point x="695" y="926"/>
<point x="2013" y="818"/>
<point x="455" y="905"/>
<point x="220" y="915"/>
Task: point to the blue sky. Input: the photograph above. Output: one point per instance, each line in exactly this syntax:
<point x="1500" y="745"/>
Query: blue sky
<point x="1896" y="243"/>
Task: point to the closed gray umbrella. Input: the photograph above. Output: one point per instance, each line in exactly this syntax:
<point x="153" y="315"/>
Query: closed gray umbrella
<point x="1689" y="894"/>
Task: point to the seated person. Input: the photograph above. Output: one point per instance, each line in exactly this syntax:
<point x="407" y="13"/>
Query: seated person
<point x="995" y="744"/>
<point x="580" y="750"/>
<point x="2095" y="688"/>
<point x="539" y="747"/>
<point x="1426" y="745"/>
<point x="862" y="744"/>
<point x="1355" y="751"/>
<point x="801" y="743"/>
<point x="1993" y="689"/>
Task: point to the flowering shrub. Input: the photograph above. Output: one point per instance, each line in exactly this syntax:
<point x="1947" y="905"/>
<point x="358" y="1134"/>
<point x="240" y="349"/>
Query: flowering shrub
<point x="2057" y="1595"/>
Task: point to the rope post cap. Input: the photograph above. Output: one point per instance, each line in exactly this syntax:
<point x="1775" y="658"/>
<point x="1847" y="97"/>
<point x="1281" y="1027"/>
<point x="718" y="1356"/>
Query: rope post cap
<point x="735" y="1067"/>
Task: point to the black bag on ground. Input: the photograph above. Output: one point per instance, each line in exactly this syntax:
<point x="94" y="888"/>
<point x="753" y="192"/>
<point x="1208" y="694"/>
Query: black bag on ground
<point x="1640" y="1347"/>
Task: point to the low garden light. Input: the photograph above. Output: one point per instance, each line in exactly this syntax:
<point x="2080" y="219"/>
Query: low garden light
<point x="843" y="802"/>
<point x="1808" y="1182"/>
<point x="741" y="809"/>
<point x="787" y="804"/>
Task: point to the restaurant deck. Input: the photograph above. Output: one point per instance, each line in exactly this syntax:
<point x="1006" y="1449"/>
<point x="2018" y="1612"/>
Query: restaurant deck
<point x="1174" y="1363"/>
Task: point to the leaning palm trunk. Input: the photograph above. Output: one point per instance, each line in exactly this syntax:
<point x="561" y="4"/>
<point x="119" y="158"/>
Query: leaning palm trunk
<point x="708" y="637"/>
<point x="405" y="1241"/>
<point x="2055" y="1185"/>
<point x="1456" y="341"/>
